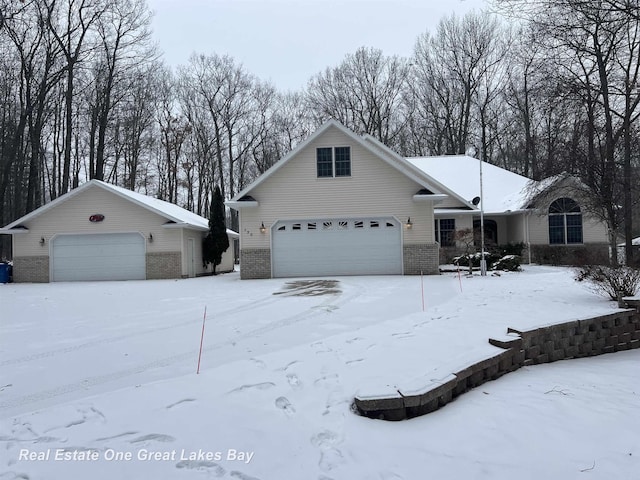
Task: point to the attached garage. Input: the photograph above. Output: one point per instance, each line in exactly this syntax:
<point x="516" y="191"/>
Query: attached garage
<point x="340" y="246"/>
<point x="90" y="257"/>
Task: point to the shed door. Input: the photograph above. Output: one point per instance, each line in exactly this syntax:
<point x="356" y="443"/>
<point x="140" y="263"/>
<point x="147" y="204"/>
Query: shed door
<point x="354" y="246"/>
<point x="108" y="256"/>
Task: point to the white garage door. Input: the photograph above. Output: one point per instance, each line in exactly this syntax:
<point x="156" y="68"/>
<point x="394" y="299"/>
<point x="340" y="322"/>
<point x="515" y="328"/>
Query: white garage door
<point x="360" y="246"/>
<point x="111" y="256"/>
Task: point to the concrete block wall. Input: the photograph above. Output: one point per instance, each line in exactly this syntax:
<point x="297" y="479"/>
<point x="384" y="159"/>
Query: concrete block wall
<point x="31" y="269"/>
<point x="580" y="338"/>
<point x="423" y="258"/>
<point x="162" y="265"/>
<point x="255" y="263"/>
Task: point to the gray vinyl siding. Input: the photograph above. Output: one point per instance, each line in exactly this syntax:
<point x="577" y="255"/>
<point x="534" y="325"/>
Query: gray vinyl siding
<point x="374" y="189"/>
<point x="516" y="228"/>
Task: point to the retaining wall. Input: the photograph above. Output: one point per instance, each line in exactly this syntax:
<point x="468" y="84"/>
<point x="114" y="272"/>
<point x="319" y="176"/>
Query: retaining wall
<point x="580" y="338"/>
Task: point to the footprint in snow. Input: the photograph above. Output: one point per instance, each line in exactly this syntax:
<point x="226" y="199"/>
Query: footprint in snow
<point x="325" y="439"/>
<point x="294" y="381"/>
<point x="254" y="386"/>
<point x="180" y="402"/>
<point x="157" y="437"/>
<point x="330" y="459"/>
<point x="327" y="379"/>
<point x="259" y="363"/>
<point x="113" y="437"/>
<point x="242" y="476"/>
<point x="218" y="471"/>
<point x="284" y="404"/>
<point x="402" y="335"/>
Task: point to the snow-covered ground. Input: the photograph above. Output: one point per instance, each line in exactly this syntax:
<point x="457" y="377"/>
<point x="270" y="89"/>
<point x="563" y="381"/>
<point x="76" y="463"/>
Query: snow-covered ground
<point x="98" y="381"/>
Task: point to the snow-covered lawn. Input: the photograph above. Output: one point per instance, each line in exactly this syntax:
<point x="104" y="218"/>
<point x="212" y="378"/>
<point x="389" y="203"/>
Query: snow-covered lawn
<point x="98" y="381"/>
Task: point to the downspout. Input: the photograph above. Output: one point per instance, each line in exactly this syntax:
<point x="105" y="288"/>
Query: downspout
<point x="526" y="234"/>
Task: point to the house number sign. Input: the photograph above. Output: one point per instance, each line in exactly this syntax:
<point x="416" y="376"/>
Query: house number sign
<point x="96" y="217"/>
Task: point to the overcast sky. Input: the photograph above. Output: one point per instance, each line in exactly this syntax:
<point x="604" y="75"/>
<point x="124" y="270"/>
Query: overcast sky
<point x="288" y="41"/>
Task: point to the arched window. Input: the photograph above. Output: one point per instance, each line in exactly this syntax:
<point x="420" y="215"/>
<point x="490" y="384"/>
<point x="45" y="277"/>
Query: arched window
<point x="565" y="222"/>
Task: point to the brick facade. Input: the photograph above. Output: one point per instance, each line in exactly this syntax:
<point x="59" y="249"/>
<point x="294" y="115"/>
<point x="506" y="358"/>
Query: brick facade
<point x="31" y="269"/>
<point x="423" y="258"/>
<point x="255" y="263"/>
<point x="164" y="265"/>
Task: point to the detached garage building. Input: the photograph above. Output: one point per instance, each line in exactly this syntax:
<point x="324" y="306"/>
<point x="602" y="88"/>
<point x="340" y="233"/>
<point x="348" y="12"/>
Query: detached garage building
<point x="102" y="232"/>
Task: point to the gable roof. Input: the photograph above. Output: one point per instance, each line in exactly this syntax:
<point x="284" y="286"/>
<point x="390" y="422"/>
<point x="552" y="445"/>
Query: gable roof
<point x="367" y="142"/>
<point x="173" y="213"/>
<point x="504" y="191"/>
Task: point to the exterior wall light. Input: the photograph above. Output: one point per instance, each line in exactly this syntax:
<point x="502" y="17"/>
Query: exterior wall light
<point x="409" y="224"/>
<point x="151" y="238"/>
<point x="263" y="229"/>
<point x="42" y="241"/>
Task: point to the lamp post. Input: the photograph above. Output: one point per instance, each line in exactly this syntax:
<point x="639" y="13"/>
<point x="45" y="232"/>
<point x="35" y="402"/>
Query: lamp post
<point x="471" y="151"/>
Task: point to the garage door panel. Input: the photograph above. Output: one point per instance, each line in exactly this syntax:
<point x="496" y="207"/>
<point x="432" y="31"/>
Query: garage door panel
<point x="114" y="256"/>
<point x="337" y="247"/>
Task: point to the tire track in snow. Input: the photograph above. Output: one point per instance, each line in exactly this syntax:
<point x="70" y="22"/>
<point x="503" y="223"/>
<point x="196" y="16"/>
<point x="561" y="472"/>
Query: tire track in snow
<point x="103" y="341"/>
<point x="89" y="382"/>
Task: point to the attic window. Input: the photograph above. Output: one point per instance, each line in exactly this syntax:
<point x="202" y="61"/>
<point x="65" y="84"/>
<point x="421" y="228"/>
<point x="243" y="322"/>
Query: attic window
<point x="333" y="162"/>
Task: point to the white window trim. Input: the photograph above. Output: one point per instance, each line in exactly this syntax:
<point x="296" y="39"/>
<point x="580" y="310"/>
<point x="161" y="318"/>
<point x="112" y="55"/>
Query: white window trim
<point x="333" y="162"/>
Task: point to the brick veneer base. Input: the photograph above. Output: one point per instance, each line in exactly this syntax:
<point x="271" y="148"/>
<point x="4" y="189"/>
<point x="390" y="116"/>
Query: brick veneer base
<point x="161" y="265"/>
<point x="423" y="258"/>
<point x="31" y="269"/>
<point x="255" y="263"/>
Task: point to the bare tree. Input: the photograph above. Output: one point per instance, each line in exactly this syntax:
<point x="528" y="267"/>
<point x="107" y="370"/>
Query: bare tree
<point x="71" y="25"/>
<point x="455" y="79"/>
<point x="364" y="93"/>
<point x="124" y="37"/>
<point x="594" y="46"/>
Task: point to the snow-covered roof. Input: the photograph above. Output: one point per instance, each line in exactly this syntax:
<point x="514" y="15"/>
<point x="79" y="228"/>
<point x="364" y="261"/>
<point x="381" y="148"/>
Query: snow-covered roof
<point x="635" y="242"/>
<point x="170" y="211"/>
<point x="503" y="190"/>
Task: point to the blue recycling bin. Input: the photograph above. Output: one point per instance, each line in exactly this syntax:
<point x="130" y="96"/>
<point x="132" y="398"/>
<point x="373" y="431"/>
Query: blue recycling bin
<point x="4" y="273"/>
